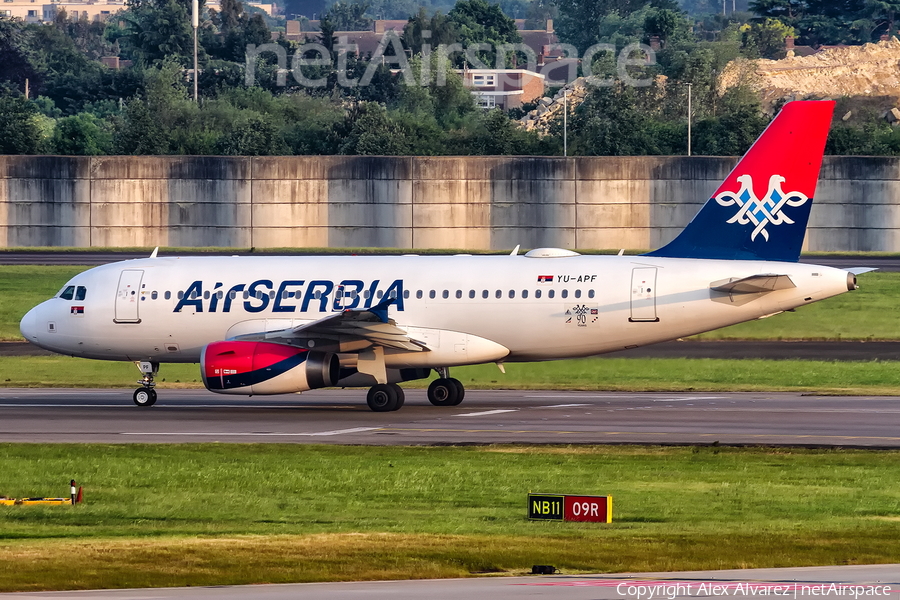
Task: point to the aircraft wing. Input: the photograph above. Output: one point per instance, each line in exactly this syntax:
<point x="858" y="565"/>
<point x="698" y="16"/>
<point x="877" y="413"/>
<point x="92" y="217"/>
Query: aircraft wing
<point x="755" y="284"/>
<point x="346" y="328"/>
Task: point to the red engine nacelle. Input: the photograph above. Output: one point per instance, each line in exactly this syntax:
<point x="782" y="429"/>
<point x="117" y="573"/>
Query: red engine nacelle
<point x="263" y="368"/>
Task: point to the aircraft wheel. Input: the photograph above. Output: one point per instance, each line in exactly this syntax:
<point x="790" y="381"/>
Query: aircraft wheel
<point x="460" y="390"/>
<point x="401" y="395"/>
<point x="443" y="392"/>
<point x="145" y="397"/>
<point x="383" y="397"/>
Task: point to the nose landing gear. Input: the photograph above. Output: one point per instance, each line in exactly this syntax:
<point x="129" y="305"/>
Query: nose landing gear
<point x="446" y="391"/>
<point x="146" y="395"/>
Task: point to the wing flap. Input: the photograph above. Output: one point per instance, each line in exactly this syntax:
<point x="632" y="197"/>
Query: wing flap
<point x="348" y="327"/>
<point x="754" y="284"/>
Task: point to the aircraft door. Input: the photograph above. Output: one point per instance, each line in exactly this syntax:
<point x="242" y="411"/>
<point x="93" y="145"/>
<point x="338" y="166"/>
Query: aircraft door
<point x="643" y="295"/>
<point x="128" y="296"/>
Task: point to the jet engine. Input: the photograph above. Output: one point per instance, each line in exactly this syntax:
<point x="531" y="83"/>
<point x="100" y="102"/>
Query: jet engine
<point x="249" y="368"/>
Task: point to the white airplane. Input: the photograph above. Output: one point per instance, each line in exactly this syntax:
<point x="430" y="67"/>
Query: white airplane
<point x="263" y="325"/>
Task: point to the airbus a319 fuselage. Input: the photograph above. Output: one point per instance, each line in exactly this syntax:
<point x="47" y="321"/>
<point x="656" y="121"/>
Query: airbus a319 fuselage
<point x="266" y="325"/>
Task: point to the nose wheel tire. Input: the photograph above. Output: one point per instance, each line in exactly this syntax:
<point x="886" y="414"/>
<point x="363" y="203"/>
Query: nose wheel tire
<point x="145" y="397"/>
<point x="446" y="392"/>
<point x="385" y="397"/>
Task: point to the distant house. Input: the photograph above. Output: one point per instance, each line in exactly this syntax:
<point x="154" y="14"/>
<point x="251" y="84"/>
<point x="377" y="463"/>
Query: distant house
<point x="503" y="88"/>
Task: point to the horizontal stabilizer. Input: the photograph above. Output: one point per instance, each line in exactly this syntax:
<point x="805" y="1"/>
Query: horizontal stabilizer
<point x="755" y="284"/>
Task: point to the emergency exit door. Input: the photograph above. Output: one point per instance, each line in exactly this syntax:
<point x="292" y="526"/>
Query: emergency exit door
<point x="643" y="295"/>
<point x="128" y="296"/>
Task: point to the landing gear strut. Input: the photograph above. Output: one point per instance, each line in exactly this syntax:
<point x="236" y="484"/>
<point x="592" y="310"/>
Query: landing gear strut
<point x="385" y="397"/>
<point x="446" y="391"/>
<point x="146" y="395"/>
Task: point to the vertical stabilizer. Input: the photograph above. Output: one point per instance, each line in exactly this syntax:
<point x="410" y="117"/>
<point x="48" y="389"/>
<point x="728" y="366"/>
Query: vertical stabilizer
<point x="761" y="210"/>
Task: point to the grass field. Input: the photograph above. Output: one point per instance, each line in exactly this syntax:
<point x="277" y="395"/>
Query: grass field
<point x="166" y="515"/>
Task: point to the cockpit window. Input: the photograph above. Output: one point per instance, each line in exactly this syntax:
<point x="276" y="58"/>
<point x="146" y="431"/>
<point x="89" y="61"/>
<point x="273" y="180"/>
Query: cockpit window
<point x="80" y="292"/>
<point x="68" y="293"/>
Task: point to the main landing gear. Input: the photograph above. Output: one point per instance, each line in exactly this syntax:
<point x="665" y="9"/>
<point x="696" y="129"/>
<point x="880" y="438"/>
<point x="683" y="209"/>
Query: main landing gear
<point x="146" y="395"/>
<point x="444" y="391"/>
<point x="385" y="397"/>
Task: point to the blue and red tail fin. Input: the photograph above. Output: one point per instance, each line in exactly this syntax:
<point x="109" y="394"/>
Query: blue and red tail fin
<point x="761" y="210"/>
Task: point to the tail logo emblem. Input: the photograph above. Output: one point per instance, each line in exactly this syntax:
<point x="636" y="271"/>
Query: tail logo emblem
<point x="761" y="212"/>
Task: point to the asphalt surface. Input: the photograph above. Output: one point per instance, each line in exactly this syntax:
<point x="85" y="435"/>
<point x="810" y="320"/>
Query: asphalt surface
<point x="857" y="581"/>
<point x="485" y="417"/>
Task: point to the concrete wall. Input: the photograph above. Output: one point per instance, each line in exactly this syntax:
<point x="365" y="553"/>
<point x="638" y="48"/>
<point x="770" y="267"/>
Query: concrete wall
<point x="408" y="202"/>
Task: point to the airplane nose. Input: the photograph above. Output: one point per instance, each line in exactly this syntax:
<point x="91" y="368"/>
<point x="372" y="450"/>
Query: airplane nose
<point x="28" y="325"/>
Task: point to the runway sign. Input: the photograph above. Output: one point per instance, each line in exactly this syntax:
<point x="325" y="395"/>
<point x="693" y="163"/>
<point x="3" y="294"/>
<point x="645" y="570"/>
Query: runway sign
<point x="563" y="507"/>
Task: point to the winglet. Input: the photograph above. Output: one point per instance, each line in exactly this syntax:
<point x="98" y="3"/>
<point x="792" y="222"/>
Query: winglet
<point x="380" y="310"/>
<point x="761" y="209"/>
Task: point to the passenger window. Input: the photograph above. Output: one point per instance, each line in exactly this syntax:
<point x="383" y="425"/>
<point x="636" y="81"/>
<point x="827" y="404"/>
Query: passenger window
<point x="206" y="295"/>
<point x="524" y="293"/>
<point x="471" y="293"/>
<point x="232" y="294"/>
<point x="590" y="293"/>
<point x="393" y="294"/>
<point x="380" y="294"/>
<point x="578" y="293"/>
<point x="459" y="293"/>
<point x="272" y="294"/>
<point x="68" y="293"/>
<point x="498" y="294"/>
<point x="537" y="293"/>
<point x="168" y="295"/>
<point x="180" y="295"/>
<point x="512" y="293"/>
<point x="405" y="294"/>
<point x="246" y="294"/>
<point x="80" y="292"/>
<point x="431" y="294"/>
<point x="564" y="293"/>
<point x="284" y="295"/>
<point x="366" y="294"/>
<point x="220" y="294"/>
<point x="317" y="294"/>
<point x="154" y="295"/>
<point x="193" y="294"/>
<point x="445" y="294"/>
<point x="258" y="295"/>
<point x="484" y="294"/>
<point x="551" y="293"/>
<point x="419" y="294"/>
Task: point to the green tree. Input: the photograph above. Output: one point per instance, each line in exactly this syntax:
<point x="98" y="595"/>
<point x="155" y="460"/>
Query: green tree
<point x="19" y="131"/>
<point x="439" y="27"/>
<point x="159" y="29"/>
<point x="350" y="16"/>
<point x="765" y="39"/>
<point x="737" y="125"/>
<point x="580" y="22"/>
<point x="81" y="134"/>
<point x="17" y="60"/>
<point x="371" y="130"/>
<point x="477" y="22"/>
<point x="256" y="136"/>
